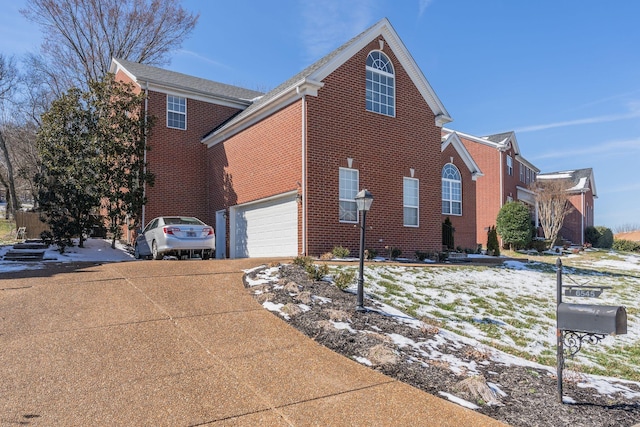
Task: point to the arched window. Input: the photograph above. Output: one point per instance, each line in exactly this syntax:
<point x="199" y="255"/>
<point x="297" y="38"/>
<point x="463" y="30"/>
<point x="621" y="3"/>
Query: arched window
<point x="381" y="84"/>
<point x="451" y="190"/>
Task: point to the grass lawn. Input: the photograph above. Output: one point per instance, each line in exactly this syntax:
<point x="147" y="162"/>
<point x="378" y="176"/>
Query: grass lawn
<point x="513" y="307"/>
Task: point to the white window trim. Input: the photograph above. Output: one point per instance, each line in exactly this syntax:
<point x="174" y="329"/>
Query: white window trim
<point x="509" y="165"/>
<point x="386" y="74"/>
<point x="416" y="207"/>
<point x="348" y="200"/>
<point x="177" y="112"/>
<point x="450" y="200"/>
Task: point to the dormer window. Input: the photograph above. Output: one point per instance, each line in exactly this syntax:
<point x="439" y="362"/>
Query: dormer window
<point x="176" y="112"/>
<point x="381" y="86"/>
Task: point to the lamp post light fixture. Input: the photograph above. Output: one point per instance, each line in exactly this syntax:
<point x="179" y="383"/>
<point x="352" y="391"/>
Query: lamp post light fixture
<point x="363" y="199"/>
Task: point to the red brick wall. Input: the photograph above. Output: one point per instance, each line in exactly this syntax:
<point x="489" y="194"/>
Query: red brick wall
<point x="262" y="161"/>
<point x="383" y="149"/>
<point x="465" y="234"/>
<point x="177" y="158"/>
<point x="488" y="193"/>
<point x="579" y="219"/>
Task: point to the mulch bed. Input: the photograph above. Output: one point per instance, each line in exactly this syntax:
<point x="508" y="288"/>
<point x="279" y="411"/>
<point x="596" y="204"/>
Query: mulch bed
<point x="531" y="397"/>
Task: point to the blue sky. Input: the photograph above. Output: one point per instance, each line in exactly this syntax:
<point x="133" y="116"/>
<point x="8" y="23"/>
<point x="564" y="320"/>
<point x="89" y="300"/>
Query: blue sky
<point x="564" y="75"/>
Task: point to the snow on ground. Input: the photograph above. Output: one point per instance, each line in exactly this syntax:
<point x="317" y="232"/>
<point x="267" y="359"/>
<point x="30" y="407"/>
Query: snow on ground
<point x="510" y="307"/>
<point x="95" y="250"/>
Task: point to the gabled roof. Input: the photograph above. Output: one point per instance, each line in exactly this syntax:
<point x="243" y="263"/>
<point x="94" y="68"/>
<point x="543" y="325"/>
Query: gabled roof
<point x="309" y="81"/>
<point x="582" y="180"/>
<point x="165" y="80"/>
<point x="499" y="141"/>
<point x="454" y="140"/>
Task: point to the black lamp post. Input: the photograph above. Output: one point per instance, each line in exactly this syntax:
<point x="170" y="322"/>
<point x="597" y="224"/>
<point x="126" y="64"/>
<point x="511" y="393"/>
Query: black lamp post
<point x="364" y="199"/>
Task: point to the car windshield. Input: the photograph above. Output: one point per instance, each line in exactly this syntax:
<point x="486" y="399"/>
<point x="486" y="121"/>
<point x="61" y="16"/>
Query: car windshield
<point x="182" y="221"/>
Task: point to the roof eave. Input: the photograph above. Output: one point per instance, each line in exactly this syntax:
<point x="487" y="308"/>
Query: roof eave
<point x="289" y="95"/>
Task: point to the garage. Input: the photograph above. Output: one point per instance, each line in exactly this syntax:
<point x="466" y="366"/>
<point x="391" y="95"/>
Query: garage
<point x="265" y="228"/>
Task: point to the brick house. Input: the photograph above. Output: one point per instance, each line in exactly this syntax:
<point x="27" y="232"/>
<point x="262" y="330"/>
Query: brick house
<point x="581" y="190"/>
<point x="185" y="108"/>
<point x="459" y="175"/>
<point x="277" y="172"/>
<point x="506" y="176"/>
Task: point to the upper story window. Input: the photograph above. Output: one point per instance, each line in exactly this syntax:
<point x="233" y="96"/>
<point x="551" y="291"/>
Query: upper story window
<point x="349" y="183"/>
<point x="381" y="86"/>
<point x="523" y="168"/>
<point x="451" y="190"/>
<point x="410" y="201"/>
<point x="176" y="112"/>
<point x="509" y="165"/>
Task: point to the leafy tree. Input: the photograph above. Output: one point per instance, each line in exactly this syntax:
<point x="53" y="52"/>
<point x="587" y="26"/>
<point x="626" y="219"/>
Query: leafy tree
<point x="553" y="205"/>
<point x="514" y="225"/>
<point x="120" y="129"/>
<point x="69" y="185"/>
<point x="447" y="234"/>
<point x="92" y="149"/>
<point x="493" y="247"/>
<point x="81" y="36"/>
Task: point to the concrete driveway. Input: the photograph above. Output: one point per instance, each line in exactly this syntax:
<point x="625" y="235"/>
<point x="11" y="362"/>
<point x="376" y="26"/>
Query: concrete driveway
<point x="180" y="343"/>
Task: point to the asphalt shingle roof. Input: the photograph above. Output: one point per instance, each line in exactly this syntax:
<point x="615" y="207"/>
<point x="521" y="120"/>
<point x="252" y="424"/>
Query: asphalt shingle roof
<point x="156" y="75"/>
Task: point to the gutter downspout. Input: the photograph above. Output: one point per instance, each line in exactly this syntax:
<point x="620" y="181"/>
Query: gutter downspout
<point x="304" y="175"/>
<point x="144" y="158"/>
<point x="501" y="180"/>
<point x="582" y="219"/>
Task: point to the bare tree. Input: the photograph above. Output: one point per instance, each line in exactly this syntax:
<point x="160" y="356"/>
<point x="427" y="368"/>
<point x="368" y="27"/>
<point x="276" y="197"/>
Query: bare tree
<point x="8" y="83"/>
<point x="553" y="205"/>
<point x="81" y="36"/>
<point x="626" y="228"/>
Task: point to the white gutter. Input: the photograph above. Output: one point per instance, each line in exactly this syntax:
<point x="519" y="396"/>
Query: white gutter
<point x="304" y="175"/>
<point x="144" y="157"/>
<point x="582" y="219"/>
<point x="501" y="180"/>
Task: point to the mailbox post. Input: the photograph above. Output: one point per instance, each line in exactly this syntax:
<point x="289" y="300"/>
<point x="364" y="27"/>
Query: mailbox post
<point x="578" y="323"/>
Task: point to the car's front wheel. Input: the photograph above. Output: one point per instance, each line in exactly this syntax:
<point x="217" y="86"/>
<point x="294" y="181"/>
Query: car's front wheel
<point x="154" y="251"/>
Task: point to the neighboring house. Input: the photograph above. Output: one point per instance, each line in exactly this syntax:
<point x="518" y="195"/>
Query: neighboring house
<point x="459" y="175"/>
<point x="581" y="189"/>
<point x="506" y="176"/>
<point x="277" y="172"/>
<point x="633" y="236"/>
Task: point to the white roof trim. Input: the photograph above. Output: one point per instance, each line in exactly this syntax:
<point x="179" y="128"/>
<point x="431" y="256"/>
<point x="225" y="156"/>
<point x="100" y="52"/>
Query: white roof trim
<point x="454" y="140"/>
<point x="283" y="99"/>
<point x="313" y="82"/>
<point x="163" y="87"/>
<point x="385" y="29"/>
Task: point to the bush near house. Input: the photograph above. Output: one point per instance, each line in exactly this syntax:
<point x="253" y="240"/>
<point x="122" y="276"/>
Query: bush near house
<point x="493" y="247"/>
<point x="606" y="237"/>
<point x="514" y="225"/>
<point x="625" y="245"/>
<point x="447" y="234"/>
<point x="340" y="252"/>
<point x="591" y="235"/>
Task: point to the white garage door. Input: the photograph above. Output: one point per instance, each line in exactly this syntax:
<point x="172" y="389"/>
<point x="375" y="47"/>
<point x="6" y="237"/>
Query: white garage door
<point x="265" y="229"/>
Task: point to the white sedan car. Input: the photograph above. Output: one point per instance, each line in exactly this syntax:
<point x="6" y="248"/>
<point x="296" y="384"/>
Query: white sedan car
<point x="175" y="235"/>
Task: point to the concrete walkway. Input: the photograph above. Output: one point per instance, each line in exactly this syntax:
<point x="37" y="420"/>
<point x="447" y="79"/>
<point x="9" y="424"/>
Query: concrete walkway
<point x="181" y="343"/>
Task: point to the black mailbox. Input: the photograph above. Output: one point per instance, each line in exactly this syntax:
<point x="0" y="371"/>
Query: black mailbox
<point x="595" y="319"/>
